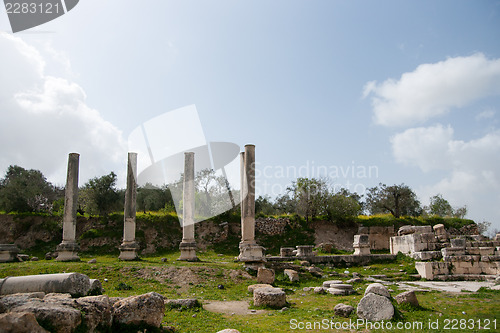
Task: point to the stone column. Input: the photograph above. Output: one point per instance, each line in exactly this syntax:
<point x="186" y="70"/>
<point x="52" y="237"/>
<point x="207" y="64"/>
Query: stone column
<point x="129" y="247"/>
<point x="249" y="250"/>
<point x="68" y="249"/>
<point x="188" y="244"/>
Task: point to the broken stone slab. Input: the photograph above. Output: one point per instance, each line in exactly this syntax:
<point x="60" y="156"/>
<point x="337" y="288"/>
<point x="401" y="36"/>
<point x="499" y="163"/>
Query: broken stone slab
<point x="339" y="292"/>
<point x="147" y="309"/>
<point x="319" y="290"/>
<point x="252" y="287"/>
<point x="98" y="312"/>
<point x="315" y="271"/>
<point x="265" y="275"/>
<point x="343" y="310"/>
<point x="292" y="275"/>
<point x="60" y="318"/>
<point x="272" y="297"/>
<point x="22" y="322"/>
<point x="374" y="307"/>
<point x="75" y="284"/>
<point x="407" y="297"/>
<point x="378" y="289"/>
<point x="11" y="301"/>
<point x="186" y="303"/>
<point x="329" y="283"/>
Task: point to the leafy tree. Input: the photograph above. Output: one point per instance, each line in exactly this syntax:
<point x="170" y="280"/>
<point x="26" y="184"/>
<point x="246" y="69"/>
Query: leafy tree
<point x="264" y="205"/>
<point x="100" y="196"/>
<point x="310" y="195"/>
<point x="460" y="212"/>
<point x="343" y="205"/>
<point x="26" y="191"/>
<point x="440" y="206"/>
<point x="284" y="204"/>
<point x="399" y="200"/>
<point x="153" y="198"/>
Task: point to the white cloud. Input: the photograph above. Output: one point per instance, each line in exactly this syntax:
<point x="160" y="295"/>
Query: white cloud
<point x="431" y="90"/>
<point x="43" y="118"/>
<point x="486" y="114"/>
<point x="472" y="167"/>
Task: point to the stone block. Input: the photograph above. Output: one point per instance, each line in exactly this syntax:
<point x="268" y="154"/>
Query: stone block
<point x="265" y="275"/>
<point x="272" y="297"/>
<point x="286" y="251"/>
<point x="374" y="307"/>
<point x="458" y="242"/>
<point x="292" y="275"/>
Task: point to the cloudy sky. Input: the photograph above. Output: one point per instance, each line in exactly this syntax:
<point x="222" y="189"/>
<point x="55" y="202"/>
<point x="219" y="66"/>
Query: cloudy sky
<point x="361" y="91"/>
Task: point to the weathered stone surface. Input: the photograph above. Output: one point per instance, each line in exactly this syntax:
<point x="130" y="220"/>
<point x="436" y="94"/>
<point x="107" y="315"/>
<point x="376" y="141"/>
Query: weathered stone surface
<point x="315" y="271"/>
<point x="252" y="287"/>
<point x="229" y="330"/>
<point x="265" y="275"/>
<point x="319" y="290"/>
<point x="343" y="310"/>
<point x="374" y="307"/>
<point x="338" y="292"/>
<point x="329" y="283"/>
<point x="11" y="301"/>
<point x="272" y="297"/>
<point x="92" y="261"/>
<point x="187" y="303"/>
<point x="378" y="289"/>
<point x="74" y="283"/>
<point x="144" y="309"/>
<point x="60" y="318"/>
<point x="95" y="287"/>
<point x="21" y="322"/>
<point x="292" y="275"/>
<point x="354" y="280"/>
<point x="98" y="315"/>
<point x="407" y="297"/>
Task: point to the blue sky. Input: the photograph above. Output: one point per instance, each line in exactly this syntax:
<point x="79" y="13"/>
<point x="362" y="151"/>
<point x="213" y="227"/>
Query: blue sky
<point x="408" y="87"/>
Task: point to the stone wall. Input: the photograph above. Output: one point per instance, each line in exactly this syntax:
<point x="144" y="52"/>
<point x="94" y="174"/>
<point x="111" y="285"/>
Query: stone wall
<point x="379" y="236"/>
<point x="271" y="226"/>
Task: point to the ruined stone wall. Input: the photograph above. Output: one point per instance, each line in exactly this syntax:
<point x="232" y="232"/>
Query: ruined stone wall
<point x="379" y="236"/>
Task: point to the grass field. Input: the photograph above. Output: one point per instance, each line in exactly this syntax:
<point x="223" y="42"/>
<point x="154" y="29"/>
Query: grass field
<point x="200" y="280"/>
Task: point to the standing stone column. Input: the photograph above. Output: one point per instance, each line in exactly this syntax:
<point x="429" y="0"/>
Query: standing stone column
<point x="68" y="249"/>
<point x="188" y="244"/>
<point x="129" y="247"/>
<point x="249" y="250"/>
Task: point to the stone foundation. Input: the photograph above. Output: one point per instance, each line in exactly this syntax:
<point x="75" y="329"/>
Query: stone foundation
<point x="8" y="253"/>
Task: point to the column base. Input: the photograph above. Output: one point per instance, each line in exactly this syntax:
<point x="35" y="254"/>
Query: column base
<point x="68" y="251"/>
<point x="8" y="253"/>
<point x="128" y="251"/>
<point x="251" y="252"/>
<point x="188" y="252"/>
<point x="362" y="250"/>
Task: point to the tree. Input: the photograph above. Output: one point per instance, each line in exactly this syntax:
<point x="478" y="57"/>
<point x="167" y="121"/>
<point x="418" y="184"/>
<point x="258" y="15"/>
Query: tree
<point x="99" y="195"/>
<point x="440" y="206"/>
<point x="26" y="191"/>
<point x="399" y="200"/>
<point x="310" y="195"/>
<point x="342" y="205"/>
<point x="153" y="198"/>
<point x="264" y="205"/>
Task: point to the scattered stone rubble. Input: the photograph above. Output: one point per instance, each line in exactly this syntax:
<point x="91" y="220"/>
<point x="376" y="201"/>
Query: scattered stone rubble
<point x="271" y="226"/>
<point x="62" y="313"/>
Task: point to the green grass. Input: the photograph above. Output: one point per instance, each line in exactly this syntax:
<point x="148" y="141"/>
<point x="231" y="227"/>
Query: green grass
<point x="151" y="274"/>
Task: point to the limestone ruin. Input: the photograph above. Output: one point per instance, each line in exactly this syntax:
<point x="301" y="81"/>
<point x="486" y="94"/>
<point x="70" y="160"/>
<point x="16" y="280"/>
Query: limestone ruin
<point x="188" y="244"/>
<point x="68" y="249"/>
<point x="129" y="247"/>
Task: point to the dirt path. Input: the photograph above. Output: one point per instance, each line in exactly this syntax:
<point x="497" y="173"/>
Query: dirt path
<point x="231" y="308"/>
